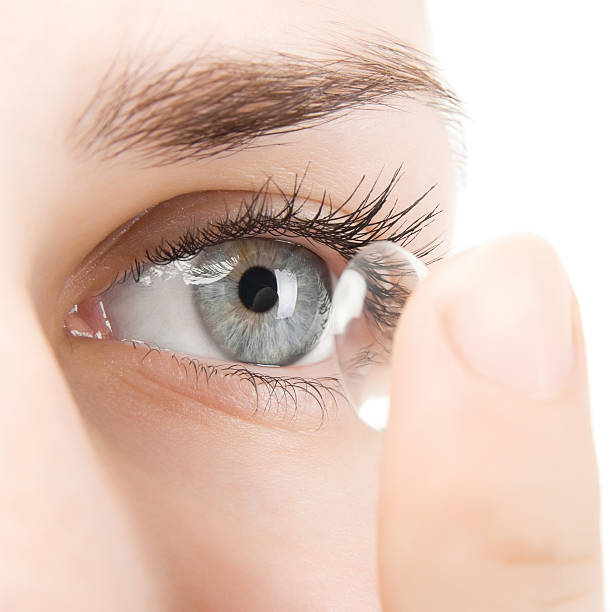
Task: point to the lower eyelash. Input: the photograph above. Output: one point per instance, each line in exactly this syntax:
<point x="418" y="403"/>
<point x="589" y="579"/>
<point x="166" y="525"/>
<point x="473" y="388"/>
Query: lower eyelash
<point x="282" y="391"/>
<point x="285" y="389"/>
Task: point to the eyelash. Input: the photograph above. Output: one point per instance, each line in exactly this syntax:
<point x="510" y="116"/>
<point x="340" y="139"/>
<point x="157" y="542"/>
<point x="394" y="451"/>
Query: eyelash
<point x="344" y="232"/>
<point x="283" y="390"/>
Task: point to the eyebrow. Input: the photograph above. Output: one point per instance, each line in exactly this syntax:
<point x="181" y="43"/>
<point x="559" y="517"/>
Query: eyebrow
<point x="207" y="105"/>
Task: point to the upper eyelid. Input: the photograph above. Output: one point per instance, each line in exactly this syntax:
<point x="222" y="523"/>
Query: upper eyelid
<point x="343" y="228"/>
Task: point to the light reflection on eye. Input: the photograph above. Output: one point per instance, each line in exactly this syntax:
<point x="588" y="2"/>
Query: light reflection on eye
<point x="257" y="301"/>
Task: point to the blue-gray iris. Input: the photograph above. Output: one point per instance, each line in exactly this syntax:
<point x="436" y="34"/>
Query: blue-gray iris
<point x="262" y="301"/>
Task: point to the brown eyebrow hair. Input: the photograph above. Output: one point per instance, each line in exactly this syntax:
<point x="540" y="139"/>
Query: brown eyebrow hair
<point x="206" y="106"/>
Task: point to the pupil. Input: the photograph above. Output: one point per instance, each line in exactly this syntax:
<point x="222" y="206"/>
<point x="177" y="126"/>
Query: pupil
<point x="257" y="289"/>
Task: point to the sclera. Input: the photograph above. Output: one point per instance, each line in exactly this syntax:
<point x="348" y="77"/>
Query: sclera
<point x="367" y="303"/>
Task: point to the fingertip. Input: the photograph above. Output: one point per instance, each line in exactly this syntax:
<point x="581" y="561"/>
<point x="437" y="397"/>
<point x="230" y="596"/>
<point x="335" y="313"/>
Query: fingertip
<point x="489" y="447"/>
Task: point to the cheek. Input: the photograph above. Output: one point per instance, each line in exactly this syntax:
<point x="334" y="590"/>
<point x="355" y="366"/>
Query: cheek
<point x="234" y="513"/>
<point x="263" y="526"/>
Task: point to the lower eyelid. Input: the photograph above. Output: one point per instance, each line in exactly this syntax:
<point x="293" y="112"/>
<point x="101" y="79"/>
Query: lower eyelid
<point x="307" y="398"/>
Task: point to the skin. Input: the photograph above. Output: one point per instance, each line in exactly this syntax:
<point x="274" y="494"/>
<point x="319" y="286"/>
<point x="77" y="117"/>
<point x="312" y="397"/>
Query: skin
<point x="125" y="486"/>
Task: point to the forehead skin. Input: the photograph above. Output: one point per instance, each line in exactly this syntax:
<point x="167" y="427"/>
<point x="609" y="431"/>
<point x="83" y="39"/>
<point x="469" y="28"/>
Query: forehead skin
<point x="298" y="511"/>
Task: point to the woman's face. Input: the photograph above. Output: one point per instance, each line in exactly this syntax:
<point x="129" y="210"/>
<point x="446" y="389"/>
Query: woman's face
<point x="246" y="487"/>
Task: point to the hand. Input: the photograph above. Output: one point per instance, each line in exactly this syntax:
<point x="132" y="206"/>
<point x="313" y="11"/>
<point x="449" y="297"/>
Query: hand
<point x="489" y="492"/>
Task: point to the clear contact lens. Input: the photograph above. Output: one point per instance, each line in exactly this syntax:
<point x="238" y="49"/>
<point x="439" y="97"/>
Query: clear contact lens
<point x="367" y="303"/>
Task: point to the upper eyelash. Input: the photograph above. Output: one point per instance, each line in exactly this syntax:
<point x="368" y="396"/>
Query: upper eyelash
<point x="344" y="232"/>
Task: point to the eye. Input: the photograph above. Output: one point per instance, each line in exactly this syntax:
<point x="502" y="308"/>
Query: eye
<point x="221" y="299"/>
<point x="257" y="301"/>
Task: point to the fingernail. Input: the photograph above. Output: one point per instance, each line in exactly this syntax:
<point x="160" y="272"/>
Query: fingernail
<point x="510" y="317"/>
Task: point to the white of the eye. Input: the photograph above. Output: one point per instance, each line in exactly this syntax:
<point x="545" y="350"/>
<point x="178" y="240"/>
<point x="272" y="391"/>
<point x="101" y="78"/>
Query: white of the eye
<point x="160" y="311"/>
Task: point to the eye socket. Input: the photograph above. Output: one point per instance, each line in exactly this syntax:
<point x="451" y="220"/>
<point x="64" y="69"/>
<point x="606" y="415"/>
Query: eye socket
<point x="257" y="301"/>
<point x="171" y="236"/>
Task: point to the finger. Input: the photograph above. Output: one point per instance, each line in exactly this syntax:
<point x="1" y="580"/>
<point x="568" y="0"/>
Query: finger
<point x="489" y="494"/>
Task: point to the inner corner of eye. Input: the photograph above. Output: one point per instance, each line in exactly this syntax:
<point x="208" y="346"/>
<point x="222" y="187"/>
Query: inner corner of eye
<point x="255" y="300"/>
<point x="88" y="319"/>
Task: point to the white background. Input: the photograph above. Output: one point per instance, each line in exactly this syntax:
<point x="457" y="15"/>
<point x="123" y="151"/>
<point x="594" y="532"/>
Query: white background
<point x="536" y="79"/>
